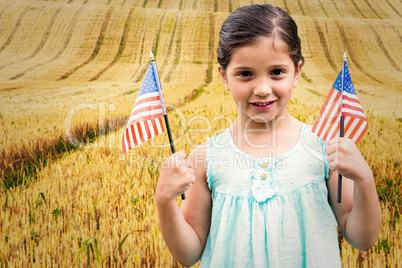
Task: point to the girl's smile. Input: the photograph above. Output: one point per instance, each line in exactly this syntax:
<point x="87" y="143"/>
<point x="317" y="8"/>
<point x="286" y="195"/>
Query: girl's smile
<point x="261" y="78"/>
<point x="262" y="106"/>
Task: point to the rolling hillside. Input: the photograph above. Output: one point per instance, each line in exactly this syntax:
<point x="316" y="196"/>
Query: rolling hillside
<point x="72" y="68"/>
<point x="46" y="46"/>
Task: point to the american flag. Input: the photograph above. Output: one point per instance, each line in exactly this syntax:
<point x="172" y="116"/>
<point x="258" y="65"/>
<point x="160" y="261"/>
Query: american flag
<point x="336" y="105"/>
<point x="145" y="120"/>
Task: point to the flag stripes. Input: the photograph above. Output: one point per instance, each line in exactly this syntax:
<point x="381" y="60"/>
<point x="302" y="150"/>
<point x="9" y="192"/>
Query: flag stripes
<point x="138" y="133"/>
<point x="327" y="123"/>
<point x="355" y="128"/>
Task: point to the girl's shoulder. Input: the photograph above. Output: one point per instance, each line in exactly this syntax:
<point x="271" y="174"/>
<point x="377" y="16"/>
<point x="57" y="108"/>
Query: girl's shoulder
<point x="200" y="149"/>
<point x="221" y="140"/>
<point x="314" y="146"/>
<point x="310" y="140"/>
<point x="201" y="152"/>
<point x="198" y="157"/>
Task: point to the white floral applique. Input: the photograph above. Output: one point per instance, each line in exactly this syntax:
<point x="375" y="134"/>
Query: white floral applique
<point x="264" y="183"/>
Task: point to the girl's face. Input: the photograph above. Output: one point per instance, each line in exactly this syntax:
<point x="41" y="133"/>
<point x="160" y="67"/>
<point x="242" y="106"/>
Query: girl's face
<point x="261" y="78"/>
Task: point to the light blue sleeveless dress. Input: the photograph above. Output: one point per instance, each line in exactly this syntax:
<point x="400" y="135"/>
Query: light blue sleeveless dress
<point x="270" y="212"/>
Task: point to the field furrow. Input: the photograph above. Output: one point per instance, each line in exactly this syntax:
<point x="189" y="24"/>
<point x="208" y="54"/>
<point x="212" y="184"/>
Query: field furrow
<point x="132" y="3"/>
<point x="188" y="5"/>
<point x="301" y="8"/>
<point x="131" y="56"/>
<point x="117" y="3"/>
<point x="383" y="9"/>
<point x="150" y="40"/>
<point x="324" y="10"/>
<point x="384" y="50"/>
<point x="390" y="34"/>
<point x="205" y="5"/>
<point x="107" y="46"/>
<point x="212" y="46"/>
<point x="324" y="45"/>
<point x="3" y="11"/>
<point x="394" y="9"/>
<point x="342" y="7"/>
<point x="31" y="41"/>
<point x="96" y="2"/>
<point x="379" y="62"/>
<point x="193" y="60"/>
<point x="45" y="36"/>
<point x="86" y="43"/>
<point x="347" y="40"/>
<point x="179" y="74"/>
<point x="194" y="6"/>
<point x="314" y="8"/>
<point x="151" y="3"/>
<point x="333" y="9"/>
<point x="377" y="9"/>
<point x="223" y="6"/>
<point x="170" y="40"/>
<point x="366" y="9"/>
<point x="316" y="70"/>
<point x="15" y="28"/>
<point x="283" y="5"/>
<point x="48" y="50"/>
<point x="197" y="66"/>
<point x="64" y="45"/>
<point x="177" y="33"/>
<point x="171" y="4"/>
<point x="354" y="9"/>
<point x="122" y="46"/>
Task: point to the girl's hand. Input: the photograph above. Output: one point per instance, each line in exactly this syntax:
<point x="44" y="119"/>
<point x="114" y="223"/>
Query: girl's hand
<point x="359" y="214"/>
<point x="175" y="178"/>
<point x="344" y="157"/>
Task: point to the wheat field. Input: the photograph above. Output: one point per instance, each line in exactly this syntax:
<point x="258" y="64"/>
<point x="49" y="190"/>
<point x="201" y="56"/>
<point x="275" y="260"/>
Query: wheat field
<point x="70" y="71"/>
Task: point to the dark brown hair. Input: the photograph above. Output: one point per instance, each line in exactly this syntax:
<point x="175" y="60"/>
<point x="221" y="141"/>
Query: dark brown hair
<point x="246" y="24"/>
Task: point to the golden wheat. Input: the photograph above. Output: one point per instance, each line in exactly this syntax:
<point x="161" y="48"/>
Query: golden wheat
<point x="75" y="66"/>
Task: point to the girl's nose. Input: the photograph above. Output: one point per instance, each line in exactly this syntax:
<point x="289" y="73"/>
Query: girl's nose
<point x="262" y="88"/>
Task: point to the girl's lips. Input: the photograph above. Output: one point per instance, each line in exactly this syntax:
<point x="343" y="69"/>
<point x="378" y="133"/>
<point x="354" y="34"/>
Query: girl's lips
<point x="262" y="106"/>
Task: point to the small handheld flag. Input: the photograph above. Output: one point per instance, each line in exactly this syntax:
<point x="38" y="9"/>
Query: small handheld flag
<point x="145" y="120"/>
<point x="341" y="114"/>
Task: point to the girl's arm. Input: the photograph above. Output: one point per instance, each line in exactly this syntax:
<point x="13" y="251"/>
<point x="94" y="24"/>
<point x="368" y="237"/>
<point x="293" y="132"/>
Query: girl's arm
<point x="359" y="213"/>
<point x="184" y="230"/>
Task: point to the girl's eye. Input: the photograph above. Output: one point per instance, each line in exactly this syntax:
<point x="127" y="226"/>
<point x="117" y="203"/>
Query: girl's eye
<point x="245" y="74"/>
<point x="277" y="72"/>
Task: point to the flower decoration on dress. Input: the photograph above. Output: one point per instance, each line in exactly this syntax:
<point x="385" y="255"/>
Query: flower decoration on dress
<point x="264" y="184"/>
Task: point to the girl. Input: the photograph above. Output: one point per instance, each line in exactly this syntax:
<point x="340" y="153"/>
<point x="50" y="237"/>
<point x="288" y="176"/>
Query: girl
<point x="263" y="193"/>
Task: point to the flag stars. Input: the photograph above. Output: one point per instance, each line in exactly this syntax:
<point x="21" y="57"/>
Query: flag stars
<point x="348" y="85"/>
<point x="149" y="84"/>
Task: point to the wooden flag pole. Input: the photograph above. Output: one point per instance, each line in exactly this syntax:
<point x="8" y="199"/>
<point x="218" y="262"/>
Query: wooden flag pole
<point x="341" y="129"/>
<point x="158" y="83"/>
